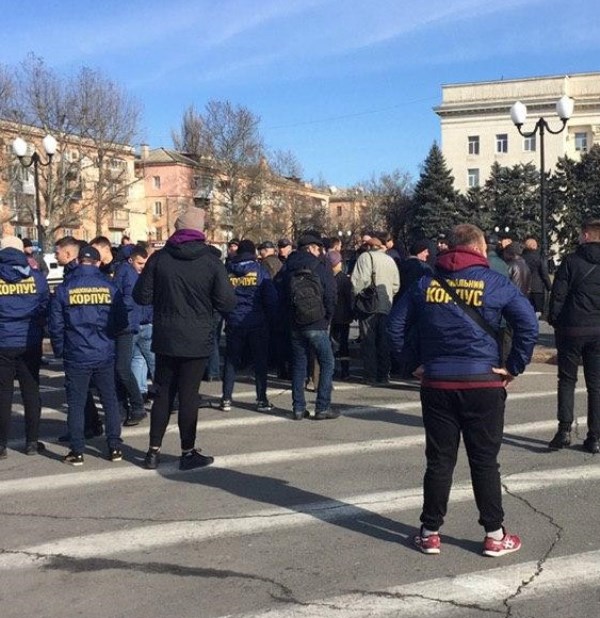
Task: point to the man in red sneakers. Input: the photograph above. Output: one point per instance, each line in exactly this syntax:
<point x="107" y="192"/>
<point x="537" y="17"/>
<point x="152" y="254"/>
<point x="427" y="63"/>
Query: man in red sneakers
<point x="457" y="313"/>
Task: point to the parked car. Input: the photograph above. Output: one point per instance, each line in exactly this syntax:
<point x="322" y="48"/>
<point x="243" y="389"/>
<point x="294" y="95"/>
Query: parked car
<point x="55" y="271"/>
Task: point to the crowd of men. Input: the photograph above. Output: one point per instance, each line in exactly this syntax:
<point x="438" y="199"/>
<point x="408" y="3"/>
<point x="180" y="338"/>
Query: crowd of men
<point x="122" y="320"/>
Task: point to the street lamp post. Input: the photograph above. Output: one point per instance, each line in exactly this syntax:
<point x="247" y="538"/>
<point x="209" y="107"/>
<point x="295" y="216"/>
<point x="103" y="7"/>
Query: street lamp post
<point x="20" y="150"/>
<point x="518" y="114"/>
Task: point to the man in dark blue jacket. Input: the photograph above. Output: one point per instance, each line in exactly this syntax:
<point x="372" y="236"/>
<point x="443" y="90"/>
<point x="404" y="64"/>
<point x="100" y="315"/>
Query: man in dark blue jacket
<point x="131" y="403"/>
<point x="85" y="313"/>
<point x="23" y="305"/>
<point x="246" y="325"/>
<point x="308" y="299"/>
<point x="463" y="384"/>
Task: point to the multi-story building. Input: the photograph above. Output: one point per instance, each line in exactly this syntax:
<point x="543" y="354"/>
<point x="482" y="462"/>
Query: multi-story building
<point x="476" y="129"/>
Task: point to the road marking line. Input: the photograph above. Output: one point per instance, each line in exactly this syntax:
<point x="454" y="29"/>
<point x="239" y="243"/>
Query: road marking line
<point x="242" y="460"/>
<point x="483" y="589"/>
<point x="144" y="538"/>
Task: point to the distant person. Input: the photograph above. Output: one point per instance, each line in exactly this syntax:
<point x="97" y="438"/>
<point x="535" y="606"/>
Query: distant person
<point x="268" y="258"/>
<point x="415" y="265"/>
<point x="342" y="315"/>
<point x="24" y="299"/>
<point x="540" y="279"/>
<point x="518" y="271"/>
<point x="108" y="263"/>
<point x="284" y="248"/>
<point x="186" y="284"/>
<point x="246" y="326"/>
<point x="308" y="301"/>
<point x="374" y="267"/>
<point x="495" y="261"/>
<point x="575" y="315"/>
<point x="86" y="312"/>
<point x="34" y="259"/>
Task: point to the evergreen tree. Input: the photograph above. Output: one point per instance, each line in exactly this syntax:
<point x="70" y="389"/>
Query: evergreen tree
<point x="436" y="205"/>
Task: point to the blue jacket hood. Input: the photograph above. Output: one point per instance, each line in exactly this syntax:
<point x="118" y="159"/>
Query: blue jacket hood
<point x="13" y="265"/>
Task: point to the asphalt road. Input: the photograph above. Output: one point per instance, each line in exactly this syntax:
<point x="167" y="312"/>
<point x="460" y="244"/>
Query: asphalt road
<point x="296" y="518"/>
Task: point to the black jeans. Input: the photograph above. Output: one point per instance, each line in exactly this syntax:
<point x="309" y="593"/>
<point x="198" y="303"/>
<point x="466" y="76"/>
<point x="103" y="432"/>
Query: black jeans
<point x="479" y="415"/>
<point x="131" y="404"/>
<point x="339" y="334"/>
<point x="374" y="346"/>
<point x="176" y="374"/>
<point x="571" y="351"/>
<point x="24" y="364"/>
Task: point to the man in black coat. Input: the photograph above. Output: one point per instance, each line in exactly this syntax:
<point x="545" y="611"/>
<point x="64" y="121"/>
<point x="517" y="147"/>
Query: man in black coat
<point x="186" y="284"/>
<point x="540" y="280"/>
<point x="575" y="315"/>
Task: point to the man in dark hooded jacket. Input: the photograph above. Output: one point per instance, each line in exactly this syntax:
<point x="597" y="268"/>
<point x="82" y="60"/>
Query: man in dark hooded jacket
<point x="185" y="283"/>
<point x="246" y="325"/>
<point x="575" y="315"/>
<point x="463" y="385"/>
<point x="23" y="304"/>
<point x="308" y="333"/>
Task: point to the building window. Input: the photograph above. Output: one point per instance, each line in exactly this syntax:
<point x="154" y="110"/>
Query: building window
<point x="156" y="181"/>
<point x="158" y="209"/>
<point x="473" y="177"/>
<point x="473" y="144"/>
<point x="581" y="144"/>
<point x="502" y="142"/>
<point x="529" y="144"/>
<point x="339" y="211"/>
<point x="159" y="233"/>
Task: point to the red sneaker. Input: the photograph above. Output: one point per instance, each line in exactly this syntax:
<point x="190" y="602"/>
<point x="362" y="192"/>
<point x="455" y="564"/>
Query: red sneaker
<point x="509" y="544"/>
<point x="428" y="544"/>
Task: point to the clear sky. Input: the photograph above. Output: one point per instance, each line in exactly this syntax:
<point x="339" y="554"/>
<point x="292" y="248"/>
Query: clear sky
<point x="348" y="86"/>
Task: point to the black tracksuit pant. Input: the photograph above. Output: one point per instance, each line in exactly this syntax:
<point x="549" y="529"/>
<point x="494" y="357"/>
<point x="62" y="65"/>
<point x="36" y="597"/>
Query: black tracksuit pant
<point x="477" y="414"/>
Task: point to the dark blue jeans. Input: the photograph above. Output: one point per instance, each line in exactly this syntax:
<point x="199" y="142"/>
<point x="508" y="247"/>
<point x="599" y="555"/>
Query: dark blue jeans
<point x="571" y="351"/>
<point x="477" y="414"/>
<point x="374" y="347"/>
<point x="77" y="383"/>
<point x="130" y="399"/>
<point x="257" y="342"/>
<point x="143" y="360"/>
<point x="302" y="342"/>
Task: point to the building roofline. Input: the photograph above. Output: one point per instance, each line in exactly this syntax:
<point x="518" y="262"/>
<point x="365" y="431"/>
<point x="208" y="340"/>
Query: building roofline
<point x="521" y="79"/>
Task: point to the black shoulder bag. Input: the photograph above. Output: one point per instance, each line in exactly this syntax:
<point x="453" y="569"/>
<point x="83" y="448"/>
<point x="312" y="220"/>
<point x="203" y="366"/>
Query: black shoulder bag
<point x="367" y="300"/>
<point x="497" y="335"/>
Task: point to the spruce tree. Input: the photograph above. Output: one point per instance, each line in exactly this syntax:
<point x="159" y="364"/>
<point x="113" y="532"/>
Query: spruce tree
<point x="436" y="207"/>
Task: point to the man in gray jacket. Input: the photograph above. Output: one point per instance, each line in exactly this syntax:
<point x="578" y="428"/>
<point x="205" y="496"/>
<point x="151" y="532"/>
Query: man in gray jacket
<point x="375" y="265"/>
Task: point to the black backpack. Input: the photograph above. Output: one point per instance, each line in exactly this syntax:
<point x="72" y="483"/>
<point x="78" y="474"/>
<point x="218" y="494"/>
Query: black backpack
<point x="306" y="297"/>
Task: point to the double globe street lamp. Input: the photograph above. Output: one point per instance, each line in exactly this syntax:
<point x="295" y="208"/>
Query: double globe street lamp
<point x="27" y="160"/>
<point x="518" y="114"/>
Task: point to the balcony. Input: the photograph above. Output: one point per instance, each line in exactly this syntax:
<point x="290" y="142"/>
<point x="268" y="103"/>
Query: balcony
<point x="120" y="219"/>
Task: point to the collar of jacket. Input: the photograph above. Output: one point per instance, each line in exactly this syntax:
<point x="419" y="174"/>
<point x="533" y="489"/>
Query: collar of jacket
<point x="459" y="258"/>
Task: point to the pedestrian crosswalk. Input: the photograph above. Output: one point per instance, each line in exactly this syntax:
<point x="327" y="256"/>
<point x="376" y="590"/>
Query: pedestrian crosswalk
<point x="276" y="512"/>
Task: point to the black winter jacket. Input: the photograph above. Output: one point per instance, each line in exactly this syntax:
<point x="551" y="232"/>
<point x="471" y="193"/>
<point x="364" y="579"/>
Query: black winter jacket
<point x="519" y="274"/>
<point x="540" y="280"/>
<point x="186" y="283"/>
<point x="575" y="297"/>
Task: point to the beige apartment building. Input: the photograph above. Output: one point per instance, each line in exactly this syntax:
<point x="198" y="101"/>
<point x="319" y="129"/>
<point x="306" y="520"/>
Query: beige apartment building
<point x="476" y="128"/>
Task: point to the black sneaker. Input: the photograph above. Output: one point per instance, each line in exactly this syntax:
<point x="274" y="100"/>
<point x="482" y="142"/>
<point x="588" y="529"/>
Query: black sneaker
<point x="73" y="459"/>
<point x="298" y="415"/>
<point x="115" y="454"/>
<point x="264" y="406"/>
<point x="591" y="445"/>
<point x="562" y="439"/>
<point x="33" y="448"/>
<point x="152" y="459"/>
<point x="326" y="414"/>
<point x="225" y="405"/>
<point x="3" y="452"/>
<point x="193" y="459"/>
<point x="135" y="419"/>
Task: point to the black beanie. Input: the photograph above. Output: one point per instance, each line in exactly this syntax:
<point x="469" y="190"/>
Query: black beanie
<point x="246" y="246"/>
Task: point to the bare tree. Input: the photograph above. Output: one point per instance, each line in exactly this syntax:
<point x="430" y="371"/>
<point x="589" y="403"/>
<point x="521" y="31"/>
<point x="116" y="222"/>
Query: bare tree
<point x="189" y="139"/>
<point x="93" y="120"/>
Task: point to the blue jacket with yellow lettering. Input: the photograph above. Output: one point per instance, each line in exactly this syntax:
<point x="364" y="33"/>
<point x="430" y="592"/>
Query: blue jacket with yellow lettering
<point x="254" y="290"/>
<point x="456" y="352"/>
<point x="86" y="312"/>
<point x="24" y="298"/>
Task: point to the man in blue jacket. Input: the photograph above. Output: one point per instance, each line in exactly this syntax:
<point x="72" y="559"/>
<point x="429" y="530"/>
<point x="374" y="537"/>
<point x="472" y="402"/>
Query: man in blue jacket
<point x="85" y="313"/>
<point x="131" y="403"/>
<point x="246" y="325"/>
<point x="23" y="305"/>
<point x="463" y="383"/>
<point x="309" y="296"/>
